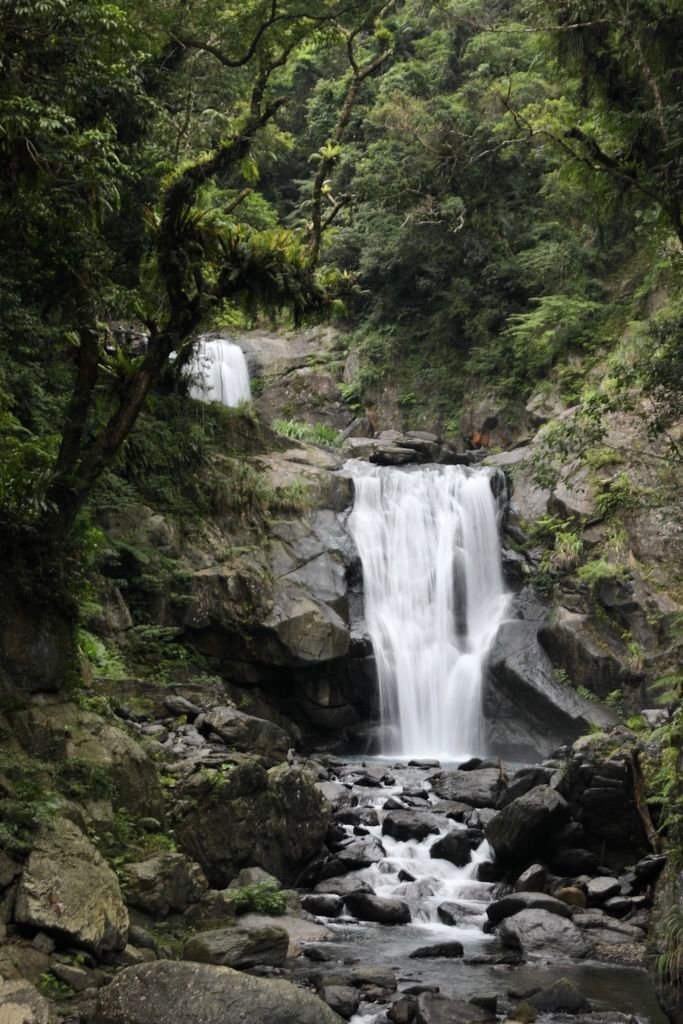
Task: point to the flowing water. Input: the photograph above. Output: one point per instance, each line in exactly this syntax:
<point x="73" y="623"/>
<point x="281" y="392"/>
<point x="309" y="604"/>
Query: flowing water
<point x="220" y="372"/>
<point x="434" y="599"/>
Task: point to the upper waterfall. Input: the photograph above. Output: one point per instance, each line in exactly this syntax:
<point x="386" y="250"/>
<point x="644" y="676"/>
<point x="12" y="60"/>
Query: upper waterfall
<point x="220" y="372"/>
<point x="434" y="599"/>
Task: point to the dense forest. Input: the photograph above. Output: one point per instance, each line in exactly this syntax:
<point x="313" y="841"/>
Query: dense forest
<point x="482" y="202"/>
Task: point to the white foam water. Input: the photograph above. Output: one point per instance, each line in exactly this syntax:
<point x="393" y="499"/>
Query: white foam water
<point x="434" y="599"/>
<point x="220" y="373"/>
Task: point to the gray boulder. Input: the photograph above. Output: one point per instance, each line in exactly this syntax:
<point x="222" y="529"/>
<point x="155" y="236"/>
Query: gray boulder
<point x="361" y="854"/>
<point x="516" y="833"/>
<point x="239" y="947"/>
<point x="478" y="788"/>
<point x="438" y="949"/>
<point x="433" y="1008"/>
<point x="343" y="999"/>
<point x="164" y="883"/>
<point x="376" y="908"/>
<point x="247" y="733"/>
<point x="68" y="889"/>
<point x="344" y="886"/>
<point x="454" y="847"/>
<point x="244" y="816"/>
<point x="515" y="902"/>
<point x="22" y="1003"/>
<point x="540" y="933"/>
<point x="322" y="904"/>
<point x="404" y="825"/>
<point x="601" y="889"/>
<point x="561" y="997"/>
<point x="169" y="992"/>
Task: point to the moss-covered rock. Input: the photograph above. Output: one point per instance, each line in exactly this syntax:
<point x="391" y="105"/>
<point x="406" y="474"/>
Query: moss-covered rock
<point x="243" y="815"/>
<point x="68" y="890"/>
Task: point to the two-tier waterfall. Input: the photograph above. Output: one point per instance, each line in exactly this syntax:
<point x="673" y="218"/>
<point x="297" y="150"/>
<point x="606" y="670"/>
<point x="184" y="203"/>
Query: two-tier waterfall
<point x="434" y="599"/>
<point x="219" y="372"/>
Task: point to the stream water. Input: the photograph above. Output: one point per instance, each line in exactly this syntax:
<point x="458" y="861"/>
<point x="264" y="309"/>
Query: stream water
<point x="434" y="599"/>
<point x="220" y="373"/>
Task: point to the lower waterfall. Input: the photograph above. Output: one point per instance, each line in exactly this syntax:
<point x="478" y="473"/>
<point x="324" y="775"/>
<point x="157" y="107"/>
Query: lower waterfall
<point x="220" y="373"/>
<point x="434" y="599"/>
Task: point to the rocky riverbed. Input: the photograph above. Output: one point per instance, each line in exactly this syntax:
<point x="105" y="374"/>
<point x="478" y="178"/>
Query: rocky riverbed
<point x="315" y="889"/>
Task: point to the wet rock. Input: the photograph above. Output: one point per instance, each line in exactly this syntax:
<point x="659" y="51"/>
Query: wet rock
<point x="239" y="947"/>
<point x="357" y="816"/>
<point x="164" y="883"/>
<point x="318" y="954"/>
<point x="600" y="889"/>
<point x="178" y="705"/>
<point x="344" y="885"/>
<point x="516" y="902"/>
<point x="404" y="825"/>
<point x="424" y="762"/>
<point x="167" y="992"/>
<point x="343" y="999"/>
<point x="520" y="827"/>
<point x="322" y="904"/>
<point x="487" y="1001"/>
<point x="373" y="975"/>
<point x="21" y="1003"/>
<point x="618" y="906"/>
<point x="69" y="889"/>
<point x="542" y="933"/>
<point x="376" y="908"/>
<point x="532" y="880"/>
<point x="247" y="733"/>
<point x="649" y="868"/>
<point x="361" y="854"/>
<point x="455" y="847"/>
<point x="402" y="1011"/>
<point x="437" y="1009"/>
<point x="478" y="788"/>
<point x="561" y="997"/>
<point x="446" y="949"/>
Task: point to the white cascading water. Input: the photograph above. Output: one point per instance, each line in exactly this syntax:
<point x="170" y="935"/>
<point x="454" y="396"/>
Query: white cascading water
<point x="220" y="372"/>
<point x="434" y="599"/>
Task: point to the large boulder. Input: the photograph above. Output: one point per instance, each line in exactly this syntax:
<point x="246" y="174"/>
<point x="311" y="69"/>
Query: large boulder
<point x="247" y="733"/>
<point x="170" y="992"/>
<point x="239" y="947"/>
<point x="478" y="788"/>
<point x="540" y="933"/>
<point x="516" y="902"/>
<point x="409" y="824"/>
<point x="241" y="816"/>
<point x="433" y="1008"/>
<point x="520" y="828"/>
<point x="164" y="883"/>
<point x="366" y="907"/>
<point x="21" y="1003"/>
<point x="68" y="890"/>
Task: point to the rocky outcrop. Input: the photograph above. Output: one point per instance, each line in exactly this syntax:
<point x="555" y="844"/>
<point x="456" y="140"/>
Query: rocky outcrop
<point x="168" y="991"/>
<point x="68" y="890"/>
<point x="527" y="710"/>
<point x="164" y="883"/>
<point x="241" y="815"/>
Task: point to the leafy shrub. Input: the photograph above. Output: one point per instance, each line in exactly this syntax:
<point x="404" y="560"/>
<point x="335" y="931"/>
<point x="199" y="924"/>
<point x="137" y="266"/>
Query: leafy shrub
<point x="262" y="898"/>
<point x="599" y="571"/>
<point x="314" y="433"/>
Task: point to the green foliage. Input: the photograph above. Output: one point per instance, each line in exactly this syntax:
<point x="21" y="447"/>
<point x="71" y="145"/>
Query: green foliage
<point x="52" y="988"/>
<point x="27" y="802"/>
<point x="598" y="571"/>
<point x="104" y="662"/>
<point x="261" y="898"/>
<point x="314" y="433"/>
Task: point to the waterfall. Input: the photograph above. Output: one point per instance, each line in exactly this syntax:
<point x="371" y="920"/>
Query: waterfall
<point x="434" y="599"/>
<point x="219" y="370"/>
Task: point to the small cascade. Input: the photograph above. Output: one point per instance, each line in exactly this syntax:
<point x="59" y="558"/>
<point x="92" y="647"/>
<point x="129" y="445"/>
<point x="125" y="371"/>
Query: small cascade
<point x="220" y="373"/>
<point x="434" y="599"/>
